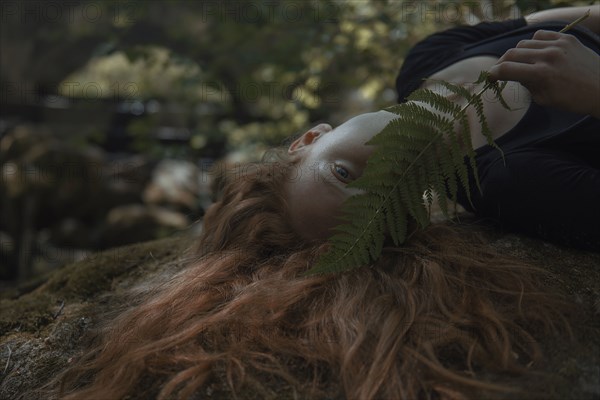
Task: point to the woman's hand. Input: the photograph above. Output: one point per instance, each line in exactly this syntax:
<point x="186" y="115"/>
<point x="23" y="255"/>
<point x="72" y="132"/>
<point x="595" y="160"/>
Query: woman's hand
<point x="557" y="69"/>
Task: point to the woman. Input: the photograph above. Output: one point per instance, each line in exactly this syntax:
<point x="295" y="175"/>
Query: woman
<point x="432" y="319"/>
<point x="548" y="183"/>
<point x="428" y="319"/>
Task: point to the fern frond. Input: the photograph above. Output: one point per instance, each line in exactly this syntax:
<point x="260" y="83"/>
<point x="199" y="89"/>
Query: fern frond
<point x="416" y="155"/>
<point x="451" y="87"/>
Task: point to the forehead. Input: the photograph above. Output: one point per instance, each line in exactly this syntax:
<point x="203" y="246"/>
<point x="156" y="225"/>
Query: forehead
<point x="313" y="200"/>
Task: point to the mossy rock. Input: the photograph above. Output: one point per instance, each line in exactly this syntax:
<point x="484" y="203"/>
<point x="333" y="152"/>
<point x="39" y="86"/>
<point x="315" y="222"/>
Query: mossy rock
<point x="43" y="327"/>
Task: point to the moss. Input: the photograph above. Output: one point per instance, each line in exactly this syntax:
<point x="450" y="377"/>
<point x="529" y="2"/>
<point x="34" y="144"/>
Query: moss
<point x="86" y="280"/>
<point x="45" y="324"/>
<point x="43" y="336"/>
<point x="27" y="315"/>
<point x="96" y="274"/>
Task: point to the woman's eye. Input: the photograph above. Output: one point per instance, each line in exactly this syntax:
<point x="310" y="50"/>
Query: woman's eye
<point x="342" y="173"/>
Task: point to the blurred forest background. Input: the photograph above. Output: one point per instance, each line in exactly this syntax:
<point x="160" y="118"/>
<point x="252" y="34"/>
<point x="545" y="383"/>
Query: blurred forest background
<point x="115" y="115"/>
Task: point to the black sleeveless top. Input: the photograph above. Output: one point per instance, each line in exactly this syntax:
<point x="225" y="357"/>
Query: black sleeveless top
<point x="443" y="49"/>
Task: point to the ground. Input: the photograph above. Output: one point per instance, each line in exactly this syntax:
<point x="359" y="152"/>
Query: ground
<point x="42" y="324"/>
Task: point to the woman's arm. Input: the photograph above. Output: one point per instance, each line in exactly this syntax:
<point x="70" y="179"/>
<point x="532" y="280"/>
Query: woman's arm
<point x="568" y="14"/>
<point x="558" y="69"/>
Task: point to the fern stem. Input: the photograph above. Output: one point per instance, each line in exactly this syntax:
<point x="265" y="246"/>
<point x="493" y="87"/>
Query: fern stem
<point x="487" y="85"/>
<point x="572" y="24"/>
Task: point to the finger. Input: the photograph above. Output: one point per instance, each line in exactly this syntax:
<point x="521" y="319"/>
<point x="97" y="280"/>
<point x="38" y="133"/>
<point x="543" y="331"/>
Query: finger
<point x="533" y="44"/>
<point x="513" y="71"/>
<point x="527" y="56"/>
<point x="543" y="34"/>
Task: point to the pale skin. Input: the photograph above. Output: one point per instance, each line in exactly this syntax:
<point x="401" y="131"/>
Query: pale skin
<point x="327" y="160"/>
<point x="557" y="69"/>
<point x="554" y="69"/>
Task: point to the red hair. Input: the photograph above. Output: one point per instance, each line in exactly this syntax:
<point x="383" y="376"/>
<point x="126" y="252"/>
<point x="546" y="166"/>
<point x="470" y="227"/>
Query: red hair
<point x="429" y="317"/>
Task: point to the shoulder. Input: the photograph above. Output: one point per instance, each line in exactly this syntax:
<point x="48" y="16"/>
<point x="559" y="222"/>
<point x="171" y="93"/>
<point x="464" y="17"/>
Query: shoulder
<point x="432" y="53"/>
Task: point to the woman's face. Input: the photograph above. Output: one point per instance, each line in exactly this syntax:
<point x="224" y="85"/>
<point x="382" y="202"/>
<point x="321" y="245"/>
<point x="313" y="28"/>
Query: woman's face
<point x="327" y="160"/>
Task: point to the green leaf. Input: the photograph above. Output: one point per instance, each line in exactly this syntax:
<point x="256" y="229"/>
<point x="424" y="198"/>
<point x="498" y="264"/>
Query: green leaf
<point x="417" y="155"/>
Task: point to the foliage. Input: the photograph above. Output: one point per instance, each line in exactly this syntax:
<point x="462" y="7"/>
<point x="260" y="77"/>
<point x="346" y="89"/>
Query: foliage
<point x="418" y="155"/>
<point x="229" y="75"/>
<point x="246" y="72"/>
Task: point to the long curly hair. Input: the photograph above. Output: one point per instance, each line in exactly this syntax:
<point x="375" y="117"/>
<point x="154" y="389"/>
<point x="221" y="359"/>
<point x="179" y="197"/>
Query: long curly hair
<point x="428" y="320"/>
